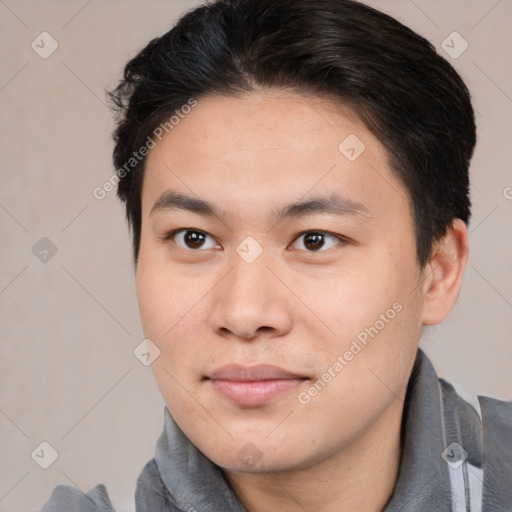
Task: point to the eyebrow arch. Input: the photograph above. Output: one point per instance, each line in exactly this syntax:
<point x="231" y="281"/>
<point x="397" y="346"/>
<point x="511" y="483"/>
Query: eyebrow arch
<point x="334" y="204"/>
<point x="169" y="201"/>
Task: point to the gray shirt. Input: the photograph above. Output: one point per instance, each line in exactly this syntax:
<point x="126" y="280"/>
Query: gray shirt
<point x="456" y="457"/>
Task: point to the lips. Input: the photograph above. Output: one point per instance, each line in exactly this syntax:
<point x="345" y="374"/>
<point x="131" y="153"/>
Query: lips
<point x="253" y="386"/>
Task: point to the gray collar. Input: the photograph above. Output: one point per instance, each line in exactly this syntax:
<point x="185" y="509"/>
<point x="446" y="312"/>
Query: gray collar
<point x="423" y="481"/>
<point x="196" y="483"/>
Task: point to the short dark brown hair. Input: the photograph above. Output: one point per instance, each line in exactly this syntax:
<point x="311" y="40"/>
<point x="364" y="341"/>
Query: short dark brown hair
<point x="407" y="95"/>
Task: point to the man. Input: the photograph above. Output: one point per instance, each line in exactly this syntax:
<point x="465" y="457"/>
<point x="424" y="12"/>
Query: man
<point x="295" y="175"/>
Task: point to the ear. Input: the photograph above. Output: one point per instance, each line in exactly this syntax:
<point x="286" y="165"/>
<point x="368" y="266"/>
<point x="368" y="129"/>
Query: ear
<point x="442" y="278"/>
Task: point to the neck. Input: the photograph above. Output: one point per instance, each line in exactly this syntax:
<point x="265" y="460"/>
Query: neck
<point x="361" y="476"/>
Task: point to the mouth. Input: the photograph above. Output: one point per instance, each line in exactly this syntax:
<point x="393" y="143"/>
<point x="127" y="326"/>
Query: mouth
<point x="253" y="386"/>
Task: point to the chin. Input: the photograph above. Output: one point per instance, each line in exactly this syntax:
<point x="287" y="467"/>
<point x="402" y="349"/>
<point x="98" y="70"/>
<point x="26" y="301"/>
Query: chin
<point x="258" y="454"/>
<point x="258" y="462"/>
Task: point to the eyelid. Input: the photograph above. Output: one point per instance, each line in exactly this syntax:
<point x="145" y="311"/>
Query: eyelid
<point x="323" y="232"/>
<point x="171" y="234"/>
<point x="340" y="238"/>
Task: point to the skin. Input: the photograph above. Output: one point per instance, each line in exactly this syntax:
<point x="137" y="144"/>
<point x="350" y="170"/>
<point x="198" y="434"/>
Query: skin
<point x="297" y="308"/>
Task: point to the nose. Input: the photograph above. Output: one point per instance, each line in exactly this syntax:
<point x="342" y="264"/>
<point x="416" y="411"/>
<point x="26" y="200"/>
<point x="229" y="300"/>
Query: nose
<point x="251" y="302"/>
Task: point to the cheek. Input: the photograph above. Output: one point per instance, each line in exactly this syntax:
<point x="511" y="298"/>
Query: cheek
<point x="153" y="301"/>
<point x="158" y="305"/>
<point x="373" y="318"/>
<point x="164" y="295"/>
<point x="349" y="300"/>
<point x="367" y="368"/>
<point x="165" y="323"/>
<point x="172" y="315"/>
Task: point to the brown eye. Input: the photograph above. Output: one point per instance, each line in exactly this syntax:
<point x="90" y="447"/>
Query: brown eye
<point x="318" y="241"/>
<point x="194" y="239"/>
<point x="314" y="241"/>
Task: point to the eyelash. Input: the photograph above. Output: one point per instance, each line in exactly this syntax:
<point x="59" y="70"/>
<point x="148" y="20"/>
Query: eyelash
<point x="342" y="240"/>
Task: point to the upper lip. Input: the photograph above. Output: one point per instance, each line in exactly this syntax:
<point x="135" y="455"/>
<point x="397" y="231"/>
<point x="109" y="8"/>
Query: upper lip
<point x="240" y="373"/>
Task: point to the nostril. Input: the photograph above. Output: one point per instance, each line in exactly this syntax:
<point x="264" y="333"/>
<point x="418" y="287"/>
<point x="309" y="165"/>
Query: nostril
<point x="264" y="329"/>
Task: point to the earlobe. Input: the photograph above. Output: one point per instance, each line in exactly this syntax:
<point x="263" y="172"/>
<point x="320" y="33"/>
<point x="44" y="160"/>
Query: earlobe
<point x="444" y="273"/>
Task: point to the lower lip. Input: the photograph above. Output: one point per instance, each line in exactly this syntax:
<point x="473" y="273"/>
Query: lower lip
<point x="254" y="393"/>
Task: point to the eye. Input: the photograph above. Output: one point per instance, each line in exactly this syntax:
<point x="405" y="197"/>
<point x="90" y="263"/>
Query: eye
<point x="192" y="239"/>
<point x="315" y="241"/>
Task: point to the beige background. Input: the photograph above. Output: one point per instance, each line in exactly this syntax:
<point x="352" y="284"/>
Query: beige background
<point x="69" y="326"/>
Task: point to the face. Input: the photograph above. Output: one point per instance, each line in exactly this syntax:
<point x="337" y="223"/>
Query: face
<point x="277" y="275"/>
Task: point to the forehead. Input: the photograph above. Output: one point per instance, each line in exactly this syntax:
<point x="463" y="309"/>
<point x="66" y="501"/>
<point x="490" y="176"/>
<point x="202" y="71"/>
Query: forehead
<point x="262" y="150"/>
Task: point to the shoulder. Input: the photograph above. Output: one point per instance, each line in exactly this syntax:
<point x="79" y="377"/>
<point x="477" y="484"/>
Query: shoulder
<point x="497" y="431"/>
<point x="484" y="429"/>
<point x="65" y="498"/>
<point x="151" y="495"/>
<point x="490" y="417"/>
<point x="497" y="414"/>
<point x="497" y="464"/>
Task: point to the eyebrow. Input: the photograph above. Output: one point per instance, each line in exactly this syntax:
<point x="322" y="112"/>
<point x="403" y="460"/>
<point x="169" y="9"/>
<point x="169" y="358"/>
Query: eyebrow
<point x="334" y="204"/>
